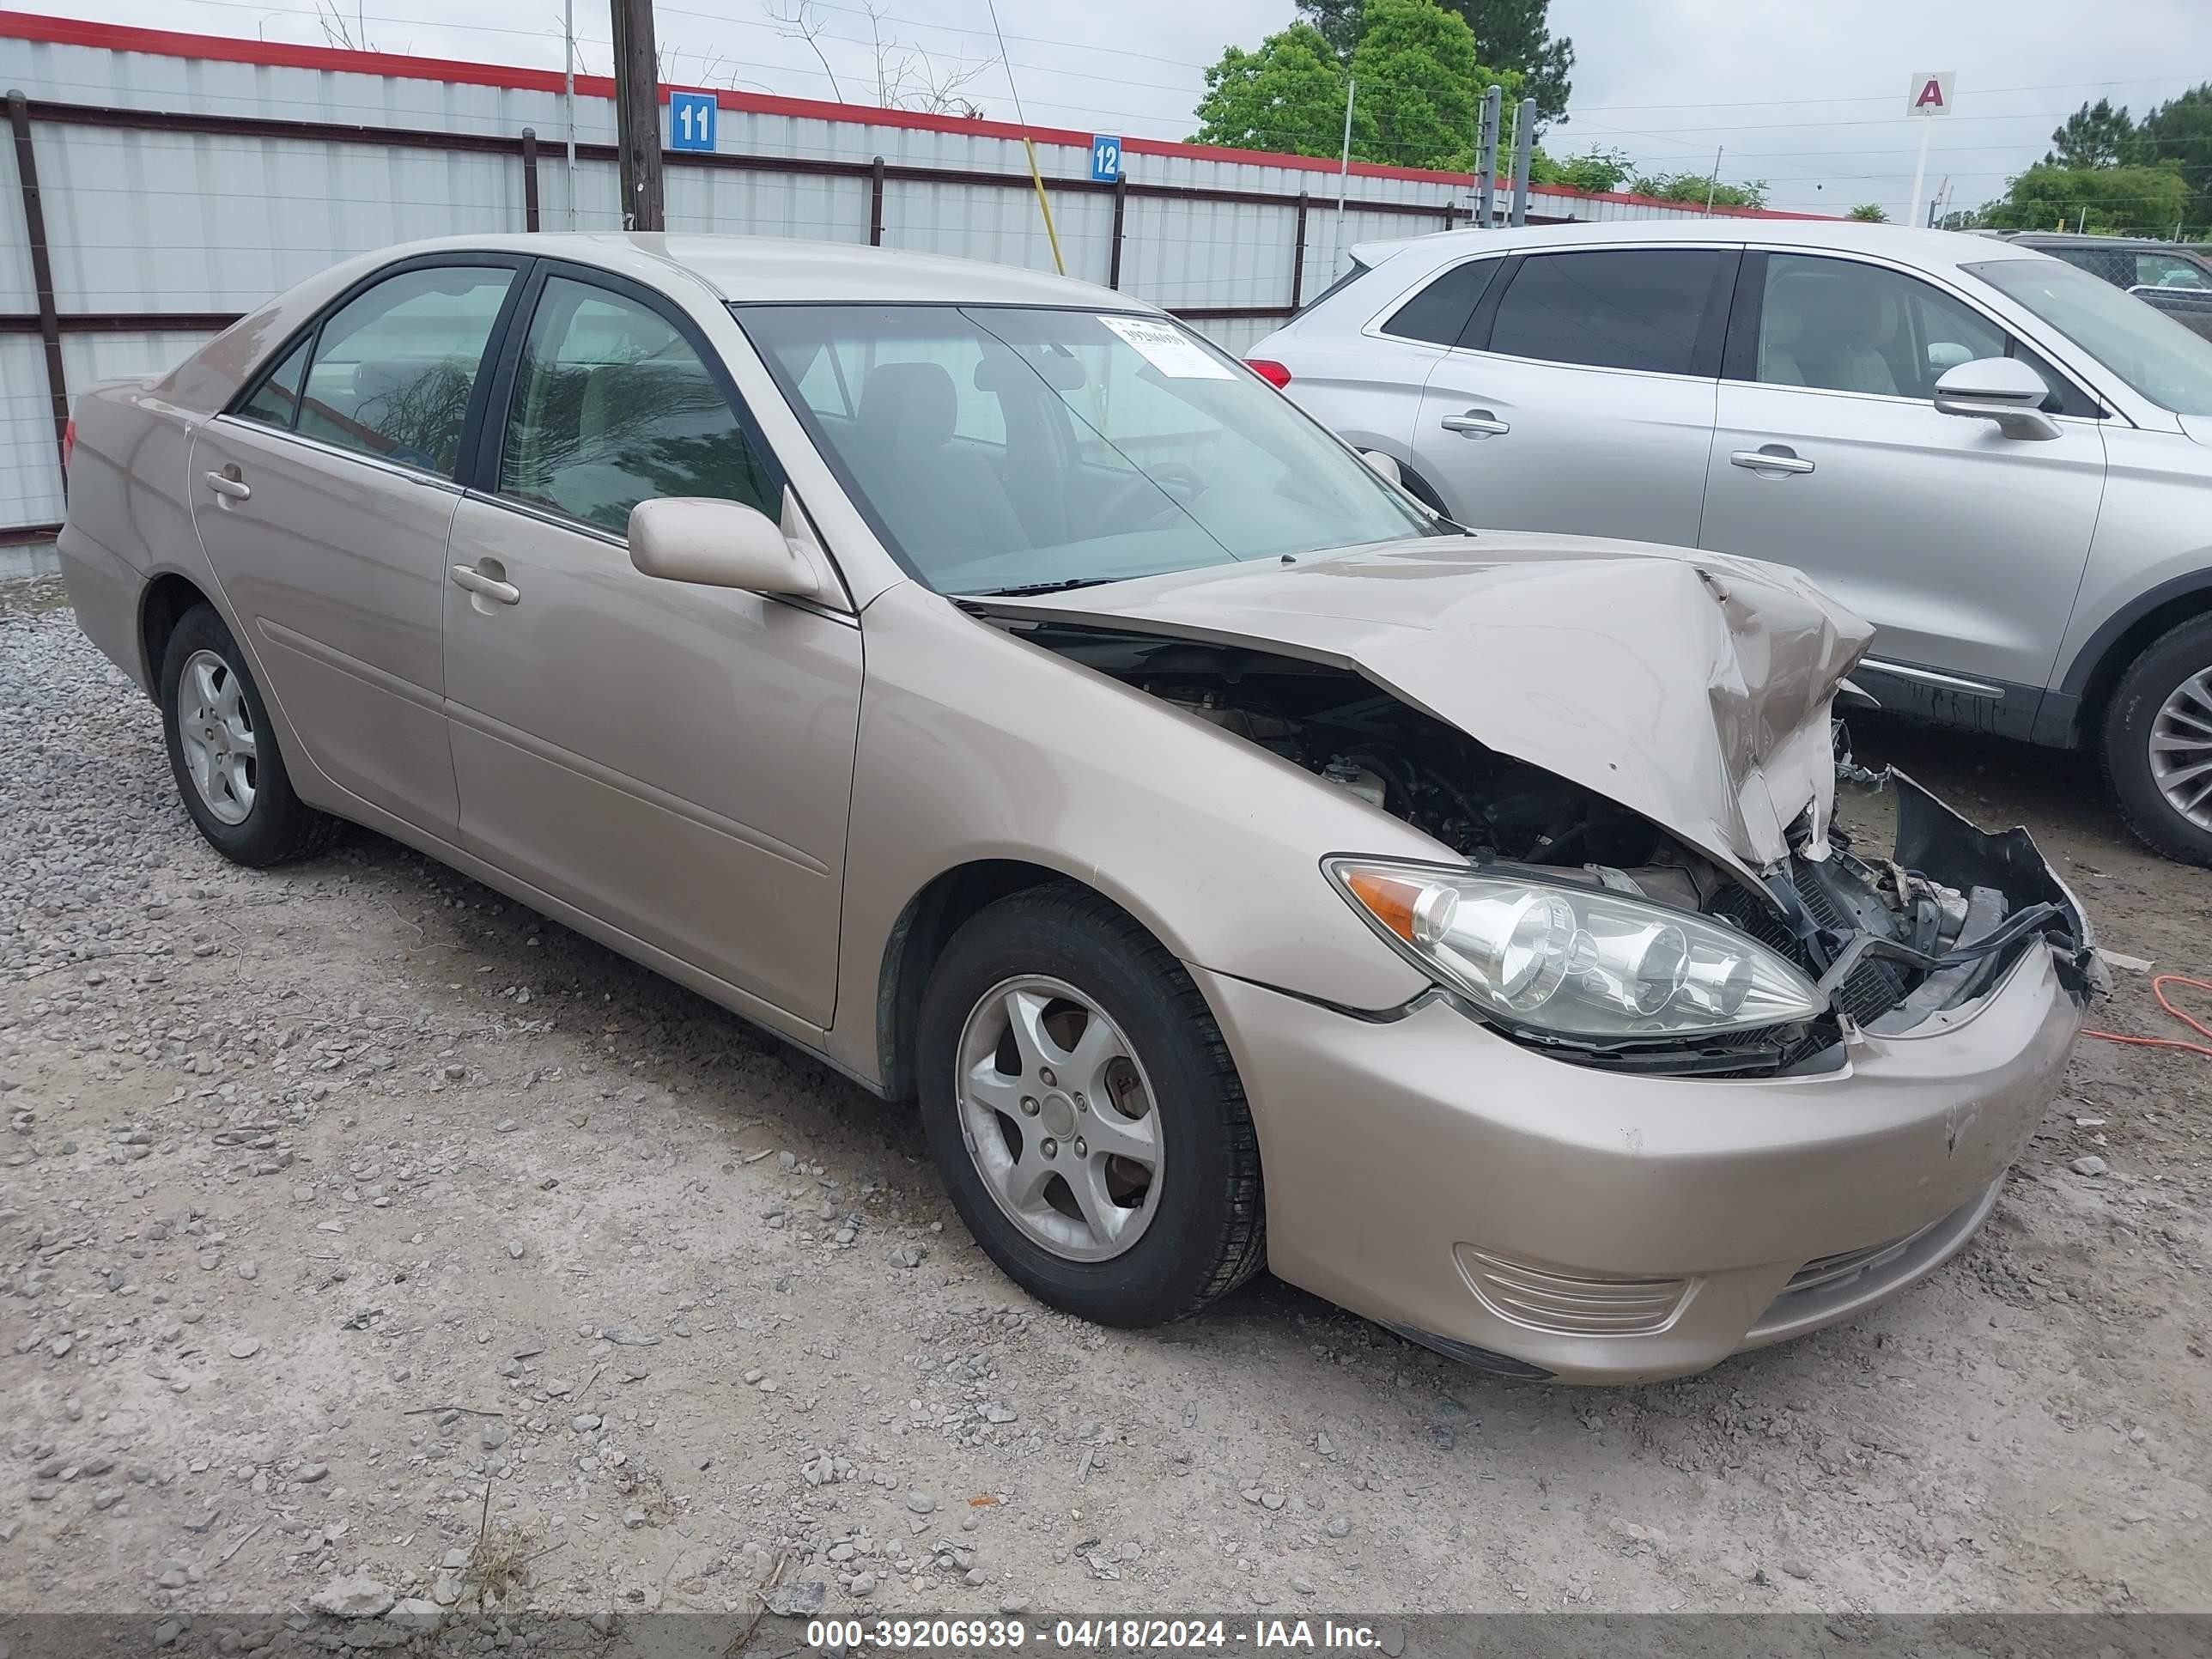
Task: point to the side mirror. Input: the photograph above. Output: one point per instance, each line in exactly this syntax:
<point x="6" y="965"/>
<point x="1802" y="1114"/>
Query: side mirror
<point x="2001" y="389"/>
<point x="717" y="544"/>
<point x="1385" y="464"/>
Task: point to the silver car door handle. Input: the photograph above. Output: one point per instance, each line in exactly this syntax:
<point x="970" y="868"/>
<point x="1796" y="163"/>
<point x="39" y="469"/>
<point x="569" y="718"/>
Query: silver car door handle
<point x="1475" y="423"/>
<point x="236" y="489"/>
<point x="476" y="582"/>
<point x="1776" y="460"/>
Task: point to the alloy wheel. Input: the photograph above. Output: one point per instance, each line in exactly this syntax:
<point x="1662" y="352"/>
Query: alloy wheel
<point x="1058" y="1117"/>
<point x="215" y="727"/>
<point x="2181" y="750"/>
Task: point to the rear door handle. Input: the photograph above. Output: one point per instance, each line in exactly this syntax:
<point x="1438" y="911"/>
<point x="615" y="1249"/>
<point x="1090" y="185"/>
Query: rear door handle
<point x="490" y="587"/>
<point x="1771" y="458"/>
<point x="228" y="484"/>
<point x="1475" y="423"/>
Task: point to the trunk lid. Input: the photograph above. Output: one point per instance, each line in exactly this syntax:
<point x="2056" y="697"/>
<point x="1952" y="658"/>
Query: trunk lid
<point x="1693" y="689"/>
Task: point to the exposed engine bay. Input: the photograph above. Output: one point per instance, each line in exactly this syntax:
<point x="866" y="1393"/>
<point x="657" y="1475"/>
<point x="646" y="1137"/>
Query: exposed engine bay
<point x="1890" y="941"/>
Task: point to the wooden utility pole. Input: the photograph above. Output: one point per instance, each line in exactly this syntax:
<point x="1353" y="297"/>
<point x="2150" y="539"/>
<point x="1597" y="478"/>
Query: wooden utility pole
<point x="637" y="115"/>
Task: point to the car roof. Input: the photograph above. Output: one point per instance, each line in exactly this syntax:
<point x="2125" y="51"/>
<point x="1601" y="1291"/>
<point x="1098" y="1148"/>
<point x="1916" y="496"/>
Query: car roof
<point x="757" y="269"/>
<point x="1937" y="249"/>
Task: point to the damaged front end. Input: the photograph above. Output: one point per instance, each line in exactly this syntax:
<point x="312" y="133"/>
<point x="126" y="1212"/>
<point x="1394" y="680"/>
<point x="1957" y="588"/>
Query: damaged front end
<point x="1922" y="933"/>
<point x="1888" y="944"/>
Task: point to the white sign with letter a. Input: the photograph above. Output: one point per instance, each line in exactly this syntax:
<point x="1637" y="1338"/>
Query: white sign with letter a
<point x="1930" y="93"/>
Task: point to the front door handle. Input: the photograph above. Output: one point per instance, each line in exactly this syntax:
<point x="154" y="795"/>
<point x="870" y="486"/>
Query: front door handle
<point x="228" y="484"/>
<point x="1475" y="423"/>
<point x="490" y="587"/>
<point x="1771" y="458"/>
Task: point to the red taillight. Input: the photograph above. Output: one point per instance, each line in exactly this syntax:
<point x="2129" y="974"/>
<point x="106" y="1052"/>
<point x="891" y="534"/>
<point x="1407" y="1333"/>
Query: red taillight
<point x="1272" y="373"/>
<point x="69" y="440"/>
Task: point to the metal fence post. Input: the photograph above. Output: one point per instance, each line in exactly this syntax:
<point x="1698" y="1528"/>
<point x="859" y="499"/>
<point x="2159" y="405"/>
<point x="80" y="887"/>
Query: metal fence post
<point x="1120" y="206"/>
<point x="1299" y="256"/>
<point x="876" y="204"/>
<point x="529" y="178"/>
<point x="42" y="269"/>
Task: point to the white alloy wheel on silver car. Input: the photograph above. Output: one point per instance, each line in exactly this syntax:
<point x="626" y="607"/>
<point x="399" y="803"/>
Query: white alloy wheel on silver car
<point x="2158" y="742"/>
<point x="2181" y="749"/>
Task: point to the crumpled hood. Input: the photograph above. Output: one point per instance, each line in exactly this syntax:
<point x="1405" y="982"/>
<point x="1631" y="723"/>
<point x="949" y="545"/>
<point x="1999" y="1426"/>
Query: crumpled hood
<point x="1693" y="688"/>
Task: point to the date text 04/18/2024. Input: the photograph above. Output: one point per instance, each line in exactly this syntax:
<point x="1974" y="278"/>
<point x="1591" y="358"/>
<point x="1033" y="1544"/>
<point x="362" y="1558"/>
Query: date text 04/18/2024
<point x="1121" y="1634"/>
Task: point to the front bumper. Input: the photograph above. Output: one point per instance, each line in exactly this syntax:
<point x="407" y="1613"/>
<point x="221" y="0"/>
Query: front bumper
<point x="1603" y="1227"/>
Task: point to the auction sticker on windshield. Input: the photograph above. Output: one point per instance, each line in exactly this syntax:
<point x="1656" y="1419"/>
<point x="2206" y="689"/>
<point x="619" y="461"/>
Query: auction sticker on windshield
<point x="1169" y="350"/>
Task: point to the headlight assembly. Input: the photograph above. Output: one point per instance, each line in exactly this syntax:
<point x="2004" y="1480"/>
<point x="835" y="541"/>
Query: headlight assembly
<point x="1581" y="961"/>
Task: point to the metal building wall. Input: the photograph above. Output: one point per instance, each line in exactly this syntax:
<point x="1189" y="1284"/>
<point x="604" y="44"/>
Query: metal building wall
<point x="155" y="231"/>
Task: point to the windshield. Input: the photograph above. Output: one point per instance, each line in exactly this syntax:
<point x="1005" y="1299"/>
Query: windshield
<point x="1002" y="447"/>
<point x="2156" y="355"/>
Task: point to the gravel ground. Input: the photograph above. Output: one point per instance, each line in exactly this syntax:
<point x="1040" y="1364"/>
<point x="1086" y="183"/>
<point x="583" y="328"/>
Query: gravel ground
<point x="339" y="1198"/>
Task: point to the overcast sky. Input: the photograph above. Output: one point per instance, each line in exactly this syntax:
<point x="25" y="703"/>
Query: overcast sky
<point x="1809" y="95"/>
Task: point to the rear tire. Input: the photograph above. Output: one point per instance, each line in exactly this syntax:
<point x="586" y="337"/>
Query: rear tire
<point x="223" y="751"/>
<point x="2158" y="731"/>
<point x="1188" y="1227"/>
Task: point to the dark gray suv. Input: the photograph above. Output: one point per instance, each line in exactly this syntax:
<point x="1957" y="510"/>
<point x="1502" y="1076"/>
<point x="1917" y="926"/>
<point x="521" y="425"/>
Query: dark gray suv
<point x="2176" y="279"/>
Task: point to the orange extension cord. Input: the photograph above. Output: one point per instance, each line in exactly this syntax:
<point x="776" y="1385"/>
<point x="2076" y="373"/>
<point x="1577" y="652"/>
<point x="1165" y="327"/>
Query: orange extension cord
<point x="2158" y="989"/>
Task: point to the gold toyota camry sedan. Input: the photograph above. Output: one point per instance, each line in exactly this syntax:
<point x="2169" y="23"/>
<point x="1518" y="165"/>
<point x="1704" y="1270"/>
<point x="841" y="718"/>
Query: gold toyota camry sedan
<point x="981" y="682"/>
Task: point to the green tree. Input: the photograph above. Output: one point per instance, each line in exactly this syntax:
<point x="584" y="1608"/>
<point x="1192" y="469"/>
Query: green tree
<point x="1338" y="21"/>
<point x="1419" y="76"/>
<point x="2094" y="136"/>
<point x="2178" y="133"/>
<point x="1287" y="96"/>
<point x="1510" y="35"/>
<point x="1872" y="213"/>
<point x="2133" y="201"/>
<point x="1599" y="169"/>
<point x="1419" y="93"/>
<point x="1693" y="187"/>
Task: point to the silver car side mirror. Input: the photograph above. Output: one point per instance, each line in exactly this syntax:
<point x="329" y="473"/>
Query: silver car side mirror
<point x="717" y="544"/>
<point x="2001" y="389"/>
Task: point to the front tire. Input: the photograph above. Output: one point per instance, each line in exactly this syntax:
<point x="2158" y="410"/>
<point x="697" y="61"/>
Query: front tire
<point x="1085" y="1113"/>
<point x="224" y="754"/>
<point x="2158" y="743"/>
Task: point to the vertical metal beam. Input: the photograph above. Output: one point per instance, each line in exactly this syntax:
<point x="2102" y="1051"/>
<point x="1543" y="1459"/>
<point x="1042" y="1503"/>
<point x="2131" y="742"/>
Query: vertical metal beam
<point x="1298" y="255"/>
<point x="1524" y="148"/>
<point x="1486" y="159"/>
<point x="42" y="269"/>
<point x="1121" y="210"/>
<point x="529" y="178"/>
<point x="876" y="204"/>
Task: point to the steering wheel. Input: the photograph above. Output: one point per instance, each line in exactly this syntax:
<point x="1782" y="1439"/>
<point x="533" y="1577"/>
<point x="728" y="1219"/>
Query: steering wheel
<point x="1186" y="479"/>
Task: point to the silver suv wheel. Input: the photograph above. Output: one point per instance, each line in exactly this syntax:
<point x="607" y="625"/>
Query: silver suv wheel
<point x="2181" y="750"/>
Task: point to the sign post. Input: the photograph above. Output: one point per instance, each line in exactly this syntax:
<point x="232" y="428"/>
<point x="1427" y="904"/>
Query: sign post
<point x="1105" y="158"/>
<point x="1928" y="97"/>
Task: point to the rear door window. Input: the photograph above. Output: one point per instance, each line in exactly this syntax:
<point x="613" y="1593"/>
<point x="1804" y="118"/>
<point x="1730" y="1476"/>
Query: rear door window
<point x="394" y="368"/>
<point x="1439" y="312"/>
<point x="1654" y="309"/>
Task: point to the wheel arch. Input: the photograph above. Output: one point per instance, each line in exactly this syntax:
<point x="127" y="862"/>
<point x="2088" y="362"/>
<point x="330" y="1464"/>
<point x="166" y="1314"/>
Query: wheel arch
<point x="167" y="596"/>
<point x="2074" y="710"/>
<point x="926" y="925"/>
